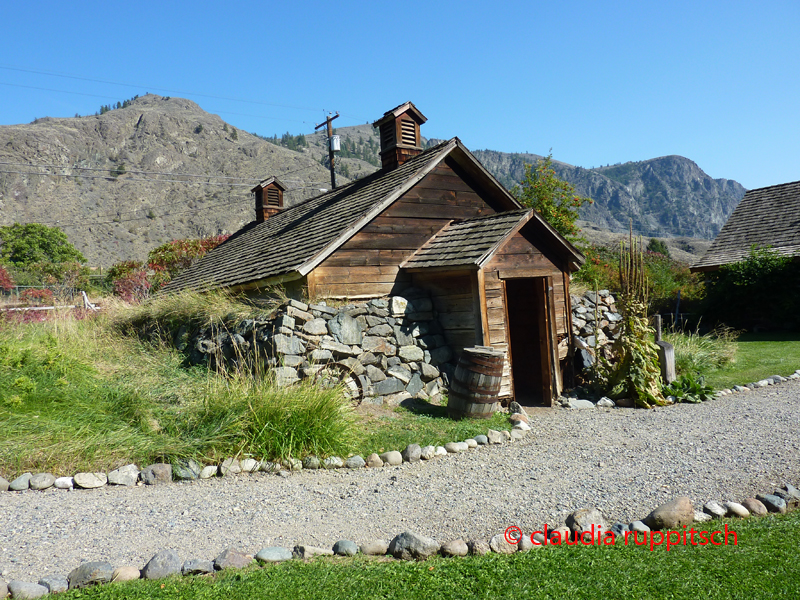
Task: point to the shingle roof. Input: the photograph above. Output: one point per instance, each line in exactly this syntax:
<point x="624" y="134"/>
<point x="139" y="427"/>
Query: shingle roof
<point x="767" y="216"/>
<point x="286" y="242"/>
<point x="464" y="243"/>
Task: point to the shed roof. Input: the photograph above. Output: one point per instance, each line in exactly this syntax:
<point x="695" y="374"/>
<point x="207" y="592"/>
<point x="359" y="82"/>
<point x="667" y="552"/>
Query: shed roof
<point x="466" y="243"/>
<point x="765" y="217"/>
<point x="294" y="241"/>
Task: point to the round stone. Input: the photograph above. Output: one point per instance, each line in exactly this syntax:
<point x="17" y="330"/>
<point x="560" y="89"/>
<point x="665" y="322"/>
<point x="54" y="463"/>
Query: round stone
<point x="345" y="548"/>
<point x="274" y="554"/>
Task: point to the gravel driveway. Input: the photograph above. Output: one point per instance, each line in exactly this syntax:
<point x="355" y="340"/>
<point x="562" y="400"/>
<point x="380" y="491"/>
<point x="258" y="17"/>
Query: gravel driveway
<point x="622" y="461"/>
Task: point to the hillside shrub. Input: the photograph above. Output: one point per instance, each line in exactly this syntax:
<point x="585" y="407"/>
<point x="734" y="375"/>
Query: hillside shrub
<point x="760" y="291"/>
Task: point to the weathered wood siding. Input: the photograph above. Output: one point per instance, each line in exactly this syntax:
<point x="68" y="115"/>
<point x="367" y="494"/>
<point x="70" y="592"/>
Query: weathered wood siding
<point x="518" y="257"/>
<point x="369" y="263"/>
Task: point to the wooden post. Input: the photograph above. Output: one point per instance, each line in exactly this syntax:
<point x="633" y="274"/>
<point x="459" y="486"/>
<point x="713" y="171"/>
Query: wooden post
<point x="330" y="148"/>
<point x="666" y="360"/>
<point x="657" y="324"/>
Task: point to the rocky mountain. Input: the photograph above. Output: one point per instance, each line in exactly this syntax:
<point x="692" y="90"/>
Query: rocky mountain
<point x="125" y="181"/>
<point x="662" y="197"/>
<point x="160" y="168"/>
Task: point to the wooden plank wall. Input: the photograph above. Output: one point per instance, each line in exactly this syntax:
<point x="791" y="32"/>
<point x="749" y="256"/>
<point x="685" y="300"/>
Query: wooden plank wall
<point x="452" y="295"/>
<point x="518" y="254"/>
<point x="496" y="324"/>
<point x="369" y="263"/>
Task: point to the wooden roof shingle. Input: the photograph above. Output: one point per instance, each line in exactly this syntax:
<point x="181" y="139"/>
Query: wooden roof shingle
<point x="767" y="216"/>
<point x="468" y="242"/>
<point x="291" y="239"/>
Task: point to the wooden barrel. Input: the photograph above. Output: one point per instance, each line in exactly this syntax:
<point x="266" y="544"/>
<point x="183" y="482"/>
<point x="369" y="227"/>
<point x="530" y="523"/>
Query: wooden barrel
<point x="476" y="383"/>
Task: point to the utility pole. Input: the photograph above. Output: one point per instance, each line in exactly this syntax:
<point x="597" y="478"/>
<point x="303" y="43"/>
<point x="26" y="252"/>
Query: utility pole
<point x="330" y="146"/>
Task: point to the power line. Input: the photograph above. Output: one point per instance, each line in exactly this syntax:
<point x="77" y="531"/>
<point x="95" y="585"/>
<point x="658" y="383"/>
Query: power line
<point x="44" y="166"/>
<point x="80" y="78"/>
<point x="130" y="178"/>
<point x="117" y="221"/>
<point x="197" y="94"/>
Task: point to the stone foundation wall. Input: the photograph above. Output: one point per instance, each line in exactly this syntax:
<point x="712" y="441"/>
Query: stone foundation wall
<point x="595" y="326"/>
<point x="385" y="350"/>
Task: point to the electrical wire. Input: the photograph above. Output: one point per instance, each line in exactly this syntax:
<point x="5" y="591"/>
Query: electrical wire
<point x="44" y="166"/>
<point x="196" y="94"/>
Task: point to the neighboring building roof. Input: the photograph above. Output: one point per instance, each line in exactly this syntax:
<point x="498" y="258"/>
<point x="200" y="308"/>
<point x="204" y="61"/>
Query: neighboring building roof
<point x="767" y="216"/>
<point x="466" y="243"/>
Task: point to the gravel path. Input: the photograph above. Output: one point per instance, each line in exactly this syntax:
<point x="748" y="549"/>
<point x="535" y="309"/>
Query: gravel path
<point x="622" y="461"/>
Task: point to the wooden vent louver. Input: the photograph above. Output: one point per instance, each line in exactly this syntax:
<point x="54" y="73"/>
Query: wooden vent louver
<point x="408" y="132"/>
<point x="399" y="131"/>
<point x="273" y="197"/>
<point x="387" y="135"/>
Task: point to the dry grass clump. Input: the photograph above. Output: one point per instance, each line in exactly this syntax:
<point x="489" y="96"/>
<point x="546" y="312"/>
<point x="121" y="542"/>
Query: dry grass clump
<point x="703" y="353"/>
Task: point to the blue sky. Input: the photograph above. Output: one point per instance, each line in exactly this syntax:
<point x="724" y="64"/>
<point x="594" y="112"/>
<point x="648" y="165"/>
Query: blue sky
<point x="598" y="82"/>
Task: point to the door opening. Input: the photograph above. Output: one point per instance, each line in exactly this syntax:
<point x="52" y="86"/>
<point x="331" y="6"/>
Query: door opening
<point x="526" y="306"/>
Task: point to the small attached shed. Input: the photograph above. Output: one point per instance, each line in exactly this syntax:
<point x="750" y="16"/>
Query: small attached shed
<point x="433" y="219"/>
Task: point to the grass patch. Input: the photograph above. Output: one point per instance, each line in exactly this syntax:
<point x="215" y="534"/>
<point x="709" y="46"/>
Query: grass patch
<point x="426" y="424"/>
<point x="80" y="395"/>
<point x="759" y="355"/>
<point x="702" y="354"/>
<point x="75" y="396"/>
<point x="762" y="565"/>
<point x="164" y="316"/>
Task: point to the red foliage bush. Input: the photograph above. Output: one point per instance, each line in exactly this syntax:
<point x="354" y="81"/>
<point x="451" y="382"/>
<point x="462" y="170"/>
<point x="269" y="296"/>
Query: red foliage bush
<point x="37" y="297"/>
<point x="133" y="287"/>
<point x="6" y="282"/>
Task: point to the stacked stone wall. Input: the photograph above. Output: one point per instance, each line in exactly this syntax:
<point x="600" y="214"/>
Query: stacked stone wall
<point x="595" y="326"/>
<point x="385" y="351"/>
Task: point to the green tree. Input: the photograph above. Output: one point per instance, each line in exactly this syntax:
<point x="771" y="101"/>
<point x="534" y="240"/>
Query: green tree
<point x="658" y="246"/>
<point x="553" y="198"/>
<point x="24" y="245"/>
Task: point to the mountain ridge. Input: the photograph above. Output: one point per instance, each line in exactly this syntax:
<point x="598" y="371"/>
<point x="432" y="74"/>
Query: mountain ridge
<point x="161" y="168"/>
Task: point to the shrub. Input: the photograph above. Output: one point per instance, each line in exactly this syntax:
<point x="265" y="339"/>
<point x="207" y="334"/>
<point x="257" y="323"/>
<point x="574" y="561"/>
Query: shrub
<point x="666" y="277"/>
<point x="689" y="388"/>
<point x="658" y="246"/>
<point x="6" y="282"/>
<point x="133" y="286"/>
<point x="37" y="297"/>
<point x="759" y="291"/>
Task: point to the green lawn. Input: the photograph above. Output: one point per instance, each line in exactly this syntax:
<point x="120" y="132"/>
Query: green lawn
<point x="759" y="355"/>
<point x="762" y="565"/>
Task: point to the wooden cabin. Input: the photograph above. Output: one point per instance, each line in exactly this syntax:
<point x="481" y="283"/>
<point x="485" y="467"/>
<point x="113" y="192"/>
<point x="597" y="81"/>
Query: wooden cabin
<point x="436" y="219"/>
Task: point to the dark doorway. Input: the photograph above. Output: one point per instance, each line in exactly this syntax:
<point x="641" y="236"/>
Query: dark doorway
<point x="528" y="340"/>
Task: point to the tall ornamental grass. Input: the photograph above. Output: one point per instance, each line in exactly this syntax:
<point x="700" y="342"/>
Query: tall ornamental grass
<point x="76" y="395"/>
<point x="701" y="354"/>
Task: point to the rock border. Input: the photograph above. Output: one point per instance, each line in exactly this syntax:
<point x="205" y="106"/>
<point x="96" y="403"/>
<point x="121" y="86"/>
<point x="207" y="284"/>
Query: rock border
<point x="407" y="545"/>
